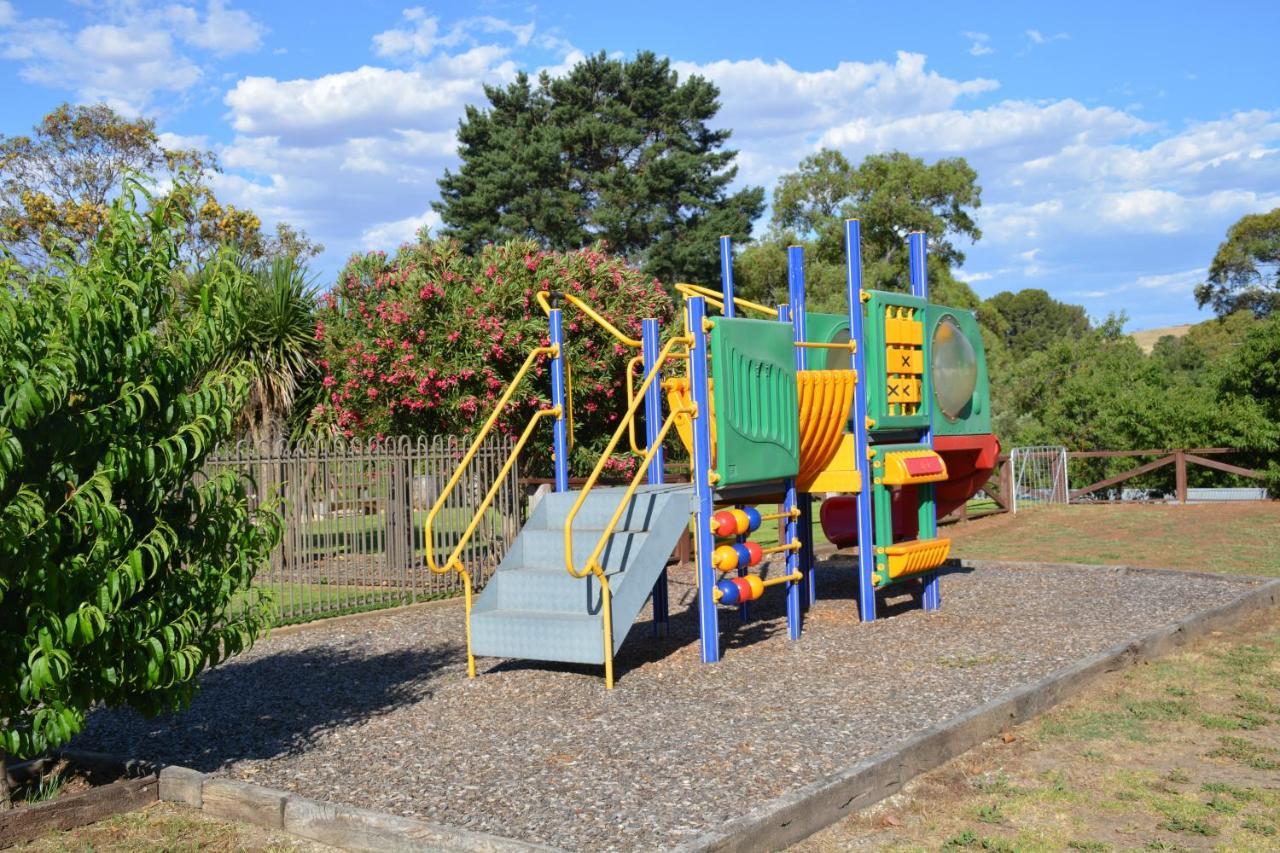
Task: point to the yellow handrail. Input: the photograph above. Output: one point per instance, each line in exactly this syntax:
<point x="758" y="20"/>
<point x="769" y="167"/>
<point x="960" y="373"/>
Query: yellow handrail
<point x="590" y="312"/>
<point x="717" y="298"/>
<point x="592" y="565"/>
<point x="606" y="595"/>
<point x="498" y="482"/>
<point x="533" y="356"/>
<point x="631" y="422"/>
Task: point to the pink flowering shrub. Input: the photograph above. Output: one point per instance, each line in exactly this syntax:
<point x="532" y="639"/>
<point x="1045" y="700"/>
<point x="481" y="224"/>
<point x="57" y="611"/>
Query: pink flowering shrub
<point x="424" y="342"/>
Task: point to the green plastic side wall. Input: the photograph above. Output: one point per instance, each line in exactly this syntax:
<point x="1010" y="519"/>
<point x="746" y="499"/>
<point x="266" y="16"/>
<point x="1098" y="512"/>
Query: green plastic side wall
<point x="753" y="375"/>
<point x="826" y="329"/>
<point x="975" y="419"/>
<point x="877" y="408"/>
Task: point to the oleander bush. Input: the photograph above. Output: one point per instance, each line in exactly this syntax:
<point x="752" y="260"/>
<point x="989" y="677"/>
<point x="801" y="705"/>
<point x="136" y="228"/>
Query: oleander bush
<point x="424" y="342"/>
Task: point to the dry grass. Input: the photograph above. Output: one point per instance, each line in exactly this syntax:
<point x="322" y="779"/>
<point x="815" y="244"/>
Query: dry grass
<point x="1180" y="754"/>
<point x="1235" y="538"/>
<point x="167" y="827"/>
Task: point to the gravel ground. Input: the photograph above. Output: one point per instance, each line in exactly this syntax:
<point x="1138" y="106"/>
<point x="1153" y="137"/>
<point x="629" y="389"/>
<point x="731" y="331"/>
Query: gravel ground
<point x="379" y="713"/>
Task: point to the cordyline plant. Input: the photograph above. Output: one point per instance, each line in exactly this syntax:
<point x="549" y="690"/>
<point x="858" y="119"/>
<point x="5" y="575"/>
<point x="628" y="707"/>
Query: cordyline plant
<point x="426" y="341"/>
<point x="124" y="571"/>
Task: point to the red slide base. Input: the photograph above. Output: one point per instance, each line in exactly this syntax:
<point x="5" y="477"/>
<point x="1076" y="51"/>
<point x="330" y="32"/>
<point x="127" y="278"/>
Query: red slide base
<point x="970" y="460"/>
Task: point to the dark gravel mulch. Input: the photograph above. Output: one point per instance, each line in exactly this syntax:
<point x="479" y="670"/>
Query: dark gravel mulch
<point x="379" y="713"/>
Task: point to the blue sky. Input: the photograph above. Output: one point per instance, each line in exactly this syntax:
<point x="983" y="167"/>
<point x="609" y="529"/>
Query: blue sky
<point x="1114" y="142"/>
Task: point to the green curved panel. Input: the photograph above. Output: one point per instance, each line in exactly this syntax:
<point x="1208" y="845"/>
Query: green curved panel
<point x="974" y="417"/>
<point x="753" y="386"/>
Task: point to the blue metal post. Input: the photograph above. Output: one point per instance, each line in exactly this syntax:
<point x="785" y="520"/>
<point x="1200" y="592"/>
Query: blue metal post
<point x="788" y="532"/>
<point x="560" y="431"/>
<point x="861" y="441"/>
<point x="804" y="524"/>
<point x="726" y="275"/>
<point x="650" y="344"/>
<point x="929" y="524"/>
<point x="730" y="310"/>
<point x="708" y="619"/>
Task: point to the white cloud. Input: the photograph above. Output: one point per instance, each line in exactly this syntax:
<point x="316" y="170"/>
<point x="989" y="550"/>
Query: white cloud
<point x="1037" y="37"/>
<point x="979" y="43"/>
<point x="387" y="234"/>
<point x="222" y="31"/>
<point x="368" y="101"/>
<point x="421" y="34"/>
<point x="131" y="57"/>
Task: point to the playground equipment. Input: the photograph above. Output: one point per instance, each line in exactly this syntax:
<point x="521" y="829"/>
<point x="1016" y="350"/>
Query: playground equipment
<point x="882" y="413"/>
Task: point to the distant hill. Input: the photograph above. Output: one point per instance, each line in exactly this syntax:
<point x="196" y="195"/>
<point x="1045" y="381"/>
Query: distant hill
<point x="1146" y="338"/>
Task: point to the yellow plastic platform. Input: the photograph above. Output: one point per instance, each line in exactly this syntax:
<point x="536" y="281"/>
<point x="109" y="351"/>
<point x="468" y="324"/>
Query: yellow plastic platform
<point x="840" y="474"/>
<point x="910" y="558"/>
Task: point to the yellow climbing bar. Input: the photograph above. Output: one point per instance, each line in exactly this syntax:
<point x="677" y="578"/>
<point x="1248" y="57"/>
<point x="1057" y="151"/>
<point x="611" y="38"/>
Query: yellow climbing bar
<point x="544" y="303"/>
<point x="716" y="298"/>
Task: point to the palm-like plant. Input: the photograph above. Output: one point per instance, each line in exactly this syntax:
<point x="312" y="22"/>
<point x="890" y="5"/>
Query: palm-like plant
<point x="280" y="346"/>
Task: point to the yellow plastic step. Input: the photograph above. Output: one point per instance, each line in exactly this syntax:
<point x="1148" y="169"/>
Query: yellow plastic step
<point x="911" y="558"/>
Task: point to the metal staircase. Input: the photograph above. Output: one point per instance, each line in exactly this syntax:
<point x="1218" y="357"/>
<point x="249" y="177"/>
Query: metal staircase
<point x="532" y="608"/>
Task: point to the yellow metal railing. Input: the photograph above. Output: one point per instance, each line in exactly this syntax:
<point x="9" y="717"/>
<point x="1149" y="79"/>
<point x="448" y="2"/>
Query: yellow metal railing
<point x="452" y="563"/>
<point x="716" y="298"/>
<point x="625" y="340"/>
<point x="592" y="564"/>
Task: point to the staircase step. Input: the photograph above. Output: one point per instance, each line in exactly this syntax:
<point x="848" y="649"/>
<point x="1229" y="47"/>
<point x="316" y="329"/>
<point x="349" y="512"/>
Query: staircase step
<point x="544" y="549"/>
<point x="545" y="590"/>
<point x="535" y="635"/>
<point x="603" y="501"/>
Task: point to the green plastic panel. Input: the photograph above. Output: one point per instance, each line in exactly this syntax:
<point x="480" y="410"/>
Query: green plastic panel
<point x="753" y="381"/>
<point x="885" y="389"/>
<point x="827" y="329"/>
<point x="974" y="418"/>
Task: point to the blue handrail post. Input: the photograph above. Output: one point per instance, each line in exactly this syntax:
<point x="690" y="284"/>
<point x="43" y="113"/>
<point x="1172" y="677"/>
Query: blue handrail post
<point x="788" y="531"/>
<point x="708" y="619"/>
<point x="919" y="261"/>
<point x="804" y="524"/>
<point x="649" y="347"/>
<point x="861" y="441"/>
<point x="560" y="430"/>
<point x="726" y="276"/>
<point x="730" y="310"/>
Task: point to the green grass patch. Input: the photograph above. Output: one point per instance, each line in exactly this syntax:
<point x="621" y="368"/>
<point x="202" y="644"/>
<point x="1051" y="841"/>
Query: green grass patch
<point x="1246" y="752"/>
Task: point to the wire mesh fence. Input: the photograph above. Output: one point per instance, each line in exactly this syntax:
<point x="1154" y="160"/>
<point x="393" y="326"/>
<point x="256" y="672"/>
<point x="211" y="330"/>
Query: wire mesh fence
<point x="1039" y="476"/>
<point x="354" y="513"/>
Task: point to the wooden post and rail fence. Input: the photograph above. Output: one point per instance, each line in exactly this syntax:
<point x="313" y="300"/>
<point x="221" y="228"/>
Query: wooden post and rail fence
<point x="1000" y="487"/>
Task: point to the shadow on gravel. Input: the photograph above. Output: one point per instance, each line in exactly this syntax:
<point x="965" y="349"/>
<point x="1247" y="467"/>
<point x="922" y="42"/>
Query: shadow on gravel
<point x="273" y="705"/>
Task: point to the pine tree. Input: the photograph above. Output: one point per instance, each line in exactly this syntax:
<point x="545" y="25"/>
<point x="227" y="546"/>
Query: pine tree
<point x="615" y="150"/>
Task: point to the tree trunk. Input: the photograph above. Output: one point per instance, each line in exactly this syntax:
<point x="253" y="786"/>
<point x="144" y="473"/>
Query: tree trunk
<point x="6" y="791"/>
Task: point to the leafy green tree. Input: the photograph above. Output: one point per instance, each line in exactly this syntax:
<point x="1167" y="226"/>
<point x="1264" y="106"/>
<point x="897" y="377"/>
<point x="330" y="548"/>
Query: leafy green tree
<point x="1030" y="319"/>
<point x="1245" y="272"/>
<point x="56" y="187"/>
<point x="125" y="570"/>
<point x="892" y="195"/>
<point x="1250" y="377"/>
<point x="616" y="150"/>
